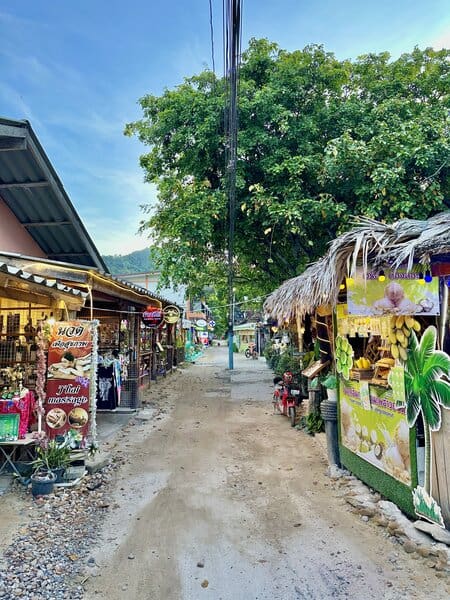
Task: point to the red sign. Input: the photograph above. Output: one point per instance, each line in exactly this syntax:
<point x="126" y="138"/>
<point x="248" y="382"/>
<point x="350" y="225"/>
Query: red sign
<point x="68" y="380"/>
<point x="153" y="316"/>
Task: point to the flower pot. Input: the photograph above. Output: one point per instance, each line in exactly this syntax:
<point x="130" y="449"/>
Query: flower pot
<point x="332" y="395"/>
<point x="42" y="483"/>
<point x="59" y="472"/>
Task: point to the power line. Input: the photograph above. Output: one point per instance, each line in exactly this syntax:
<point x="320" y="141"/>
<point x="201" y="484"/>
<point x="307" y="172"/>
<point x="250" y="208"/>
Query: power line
<point x="232" y="51"/>
<point x="211" y="28"/>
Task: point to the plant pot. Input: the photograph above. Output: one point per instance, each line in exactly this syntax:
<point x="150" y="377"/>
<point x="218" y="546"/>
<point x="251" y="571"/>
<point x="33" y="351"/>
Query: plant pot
<point x="42" y="483"/>
<point x="59" y="472"/>
<point x="332" y="395"/>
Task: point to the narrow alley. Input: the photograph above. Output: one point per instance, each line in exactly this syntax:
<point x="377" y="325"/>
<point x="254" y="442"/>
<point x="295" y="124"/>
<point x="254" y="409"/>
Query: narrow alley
<point x="221" y="499"/>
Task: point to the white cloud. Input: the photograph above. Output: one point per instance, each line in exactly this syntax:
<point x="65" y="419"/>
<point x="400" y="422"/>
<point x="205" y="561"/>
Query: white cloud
<point x="443" y="40"/>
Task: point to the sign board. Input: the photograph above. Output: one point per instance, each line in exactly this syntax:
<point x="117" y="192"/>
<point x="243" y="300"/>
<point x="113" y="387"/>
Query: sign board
<point x="171" y="314"/>
<point x="69" y="376"/>
<point x="201" y="323"/>
<point x="400" y="293"/>
<point x="314" y="369"/>
<point x="152" y="316"/>
<point x="378" y="431"/>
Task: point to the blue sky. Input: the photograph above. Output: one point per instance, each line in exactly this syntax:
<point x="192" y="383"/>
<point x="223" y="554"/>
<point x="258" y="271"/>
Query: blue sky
<point x="76" y="68"/>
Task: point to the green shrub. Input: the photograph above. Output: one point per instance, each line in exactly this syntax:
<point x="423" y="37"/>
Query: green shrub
<point x="312" y="423"/>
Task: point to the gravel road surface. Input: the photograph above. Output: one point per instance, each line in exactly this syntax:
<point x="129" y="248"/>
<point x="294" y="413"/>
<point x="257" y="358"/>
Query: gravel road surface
<point x="220" y="499"/>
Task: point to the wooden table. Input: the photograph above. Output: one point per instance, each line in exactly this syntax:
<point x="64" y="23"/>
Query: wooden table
<point x="9" y="451"/>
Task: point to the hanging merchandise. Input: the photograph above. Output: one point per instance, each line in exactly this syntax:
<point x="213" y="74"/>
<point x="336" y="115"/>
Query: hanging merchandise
<point x="109" y="381"/>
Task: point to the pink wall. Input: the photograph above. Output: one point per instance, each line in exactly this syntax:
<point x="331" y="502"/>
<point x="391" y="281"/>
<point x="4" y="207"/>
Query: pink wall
<point x="14" y="237"/>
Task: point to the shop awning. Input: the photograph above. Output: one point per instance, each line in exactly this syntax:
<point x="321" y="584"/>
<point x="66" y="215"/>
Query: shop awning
<point x="33" y="288"/>
<point x="77" y="274"/>
<point x="404" y="242"/>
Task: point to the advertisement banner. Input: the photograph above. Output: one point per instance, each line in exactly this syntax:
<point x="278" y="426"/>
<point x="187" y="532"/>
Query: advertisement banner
<point x="171" y="314"/>
<point x="68" y="380"/>
<point x="392" y="293"/>
<point x="152" y="316"/>
<point x="375" y="429"/>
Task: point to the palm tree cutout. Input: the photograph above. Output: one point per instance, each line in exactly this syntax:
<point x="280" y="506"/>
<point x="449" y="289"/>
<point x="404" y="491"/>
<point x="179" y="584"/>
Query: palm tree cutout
<point x="426" y="392"/>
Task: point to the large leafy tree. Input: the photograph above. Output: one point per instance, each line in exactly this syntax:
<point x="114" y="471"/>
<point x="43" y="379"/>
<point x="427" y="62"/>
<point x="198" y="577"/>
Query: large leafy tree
<point x="320" y="140"/>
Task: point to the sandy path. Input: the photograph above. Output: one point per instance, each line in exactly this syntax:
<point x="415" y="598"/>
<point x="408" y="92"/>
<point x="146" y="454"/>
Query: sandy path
<point x="221" y="481"/>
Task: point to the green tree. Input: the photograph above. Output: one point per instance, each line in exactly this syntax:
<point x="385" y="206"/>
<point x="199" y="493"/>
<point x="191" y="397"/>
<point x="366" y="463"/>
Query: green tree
<point x="426" y="391"/>
<point x="320" y="140"/>
<point x="139" y="261"/>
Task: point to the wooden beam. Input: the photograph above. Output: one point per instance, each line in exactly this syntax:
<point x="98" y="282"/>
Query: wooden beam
<point x="46" y="223"/>
<point x="10" y="143"/>
<point x="26" y="296"/>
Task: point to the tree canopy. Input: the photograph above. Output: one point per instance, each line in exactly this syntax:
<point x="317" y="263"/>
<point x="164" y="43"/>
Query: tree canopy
<point x="320" y="140"/>
<point x="140" y="261"/>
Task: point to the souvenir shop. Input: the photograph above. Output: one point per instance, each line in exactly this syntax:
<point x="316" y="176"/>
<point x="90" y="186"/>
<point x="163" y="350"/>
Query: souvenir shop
<point x="28" y="306"/>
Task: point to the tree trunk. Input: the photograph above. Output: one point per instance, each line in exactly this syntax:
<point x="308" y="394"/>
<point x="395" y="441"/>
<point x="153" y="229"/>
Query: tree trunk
<point x="427" y="457"/>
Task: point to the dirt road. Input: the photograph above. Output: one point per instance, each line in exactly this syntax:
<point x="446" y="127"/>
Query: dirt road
<point x="223" y="500"/>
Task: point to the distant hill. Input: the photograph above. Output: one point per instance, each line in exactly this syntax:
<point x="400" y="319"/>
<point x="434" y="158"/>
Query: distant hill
<point x="135" y="262"/>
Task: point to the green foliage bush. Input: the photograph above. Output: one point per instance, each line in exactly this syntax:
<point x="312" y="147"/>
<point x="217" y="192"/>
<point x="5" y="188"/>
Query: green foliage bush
<point x="312" y="423"/>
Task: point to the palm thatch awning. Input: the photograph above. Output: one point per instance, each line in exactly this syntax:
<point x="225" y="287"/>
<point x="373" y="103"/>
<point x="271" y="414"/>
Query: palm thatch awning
<point x="369" y="242"/>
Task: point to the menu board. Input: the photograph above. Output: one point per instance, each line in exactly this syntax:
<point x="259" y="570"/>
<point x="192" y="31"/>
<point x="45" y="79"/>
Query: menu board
<point x="374" y="428"/>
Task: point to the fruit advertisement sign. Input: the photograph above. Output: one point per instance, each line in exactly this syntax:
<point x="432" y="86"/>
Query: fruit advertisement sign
<point x="69" y="377"/>
<point x="385" y="292"/>
<point x="375" y="429"/>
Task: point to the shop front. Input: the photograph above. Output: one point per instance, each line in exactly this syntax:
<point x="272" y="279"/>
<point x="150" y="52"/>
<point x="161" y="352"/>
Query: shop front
<point x="388" y="288"/>
<point x="29" y="307"/>
<point x="130" y="352"/>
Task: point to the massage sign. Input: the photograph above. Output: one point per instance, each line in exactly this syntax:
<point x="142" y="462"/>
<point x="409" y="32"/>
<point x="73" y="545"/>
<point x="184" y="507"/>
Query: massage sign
<point x="68" y="380"/>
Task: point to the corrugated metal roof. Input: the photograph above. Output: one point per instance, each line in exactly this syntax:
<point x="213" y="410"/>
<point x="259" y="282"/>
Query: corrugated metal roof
<point x="141" y="290"/>
<point x="32" y="190"/>
<point x="48" y="283"/>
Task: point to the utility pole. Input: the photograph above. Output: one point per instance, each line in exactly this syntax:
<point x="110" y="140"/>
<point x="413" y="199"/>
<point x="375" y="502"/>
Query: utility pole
<point x="232" y="39"/>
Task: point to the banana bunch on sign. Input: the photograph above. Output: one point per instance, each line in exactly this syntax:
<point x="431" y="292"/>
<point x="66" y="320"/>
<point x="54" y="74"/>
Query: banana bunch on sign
<point x="401" y="328"/>
<point x="363" y="363"/>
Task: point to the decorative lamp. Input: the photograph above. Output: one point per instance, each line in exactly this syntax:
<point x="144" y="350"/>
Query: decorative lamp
<point x="421" y="279"/>
<point x="428" y="276"/>
<point x="381" y="276"/>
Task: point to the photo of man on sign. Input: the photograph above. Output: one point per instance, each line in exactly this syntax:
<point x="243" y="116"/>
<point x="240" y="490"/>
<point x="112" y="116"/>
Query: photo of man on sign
<point x="392" y="292"/>
<point x="394" y="301"/>
<point x="70" y="367"/>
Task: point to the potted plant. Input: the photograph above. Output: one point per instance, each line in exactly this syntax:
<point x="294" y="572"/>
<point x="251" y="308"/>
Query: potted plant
<point x="330" y="383"/>
<point x="52" y="458"/>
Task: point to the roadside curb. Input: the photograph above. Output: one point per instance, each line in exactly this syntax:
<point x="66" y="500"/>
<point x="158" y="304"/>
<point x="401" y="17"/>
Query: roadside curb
<point x="399" y="529"/>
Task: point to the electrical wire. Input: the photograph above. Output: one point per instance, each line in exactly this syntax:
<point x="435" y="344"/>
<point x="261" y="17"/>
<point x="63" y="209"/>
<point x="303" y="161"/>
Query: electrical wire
<point x="211" y="28"/>
<point x="252" y="300"/>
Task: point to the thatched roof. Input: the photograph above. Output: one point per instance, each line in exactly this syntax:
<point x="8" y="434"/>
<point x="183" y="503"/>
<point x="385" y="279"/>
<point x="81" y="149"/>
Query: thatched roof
<point x="369" y="241"/>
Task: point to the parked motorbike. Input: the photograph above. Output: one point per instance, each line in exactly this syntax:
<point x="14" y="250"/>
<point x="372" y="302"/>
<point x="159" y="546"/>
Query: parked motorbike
<point x="251" y="352"/>
<point x="286" y="397"/>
